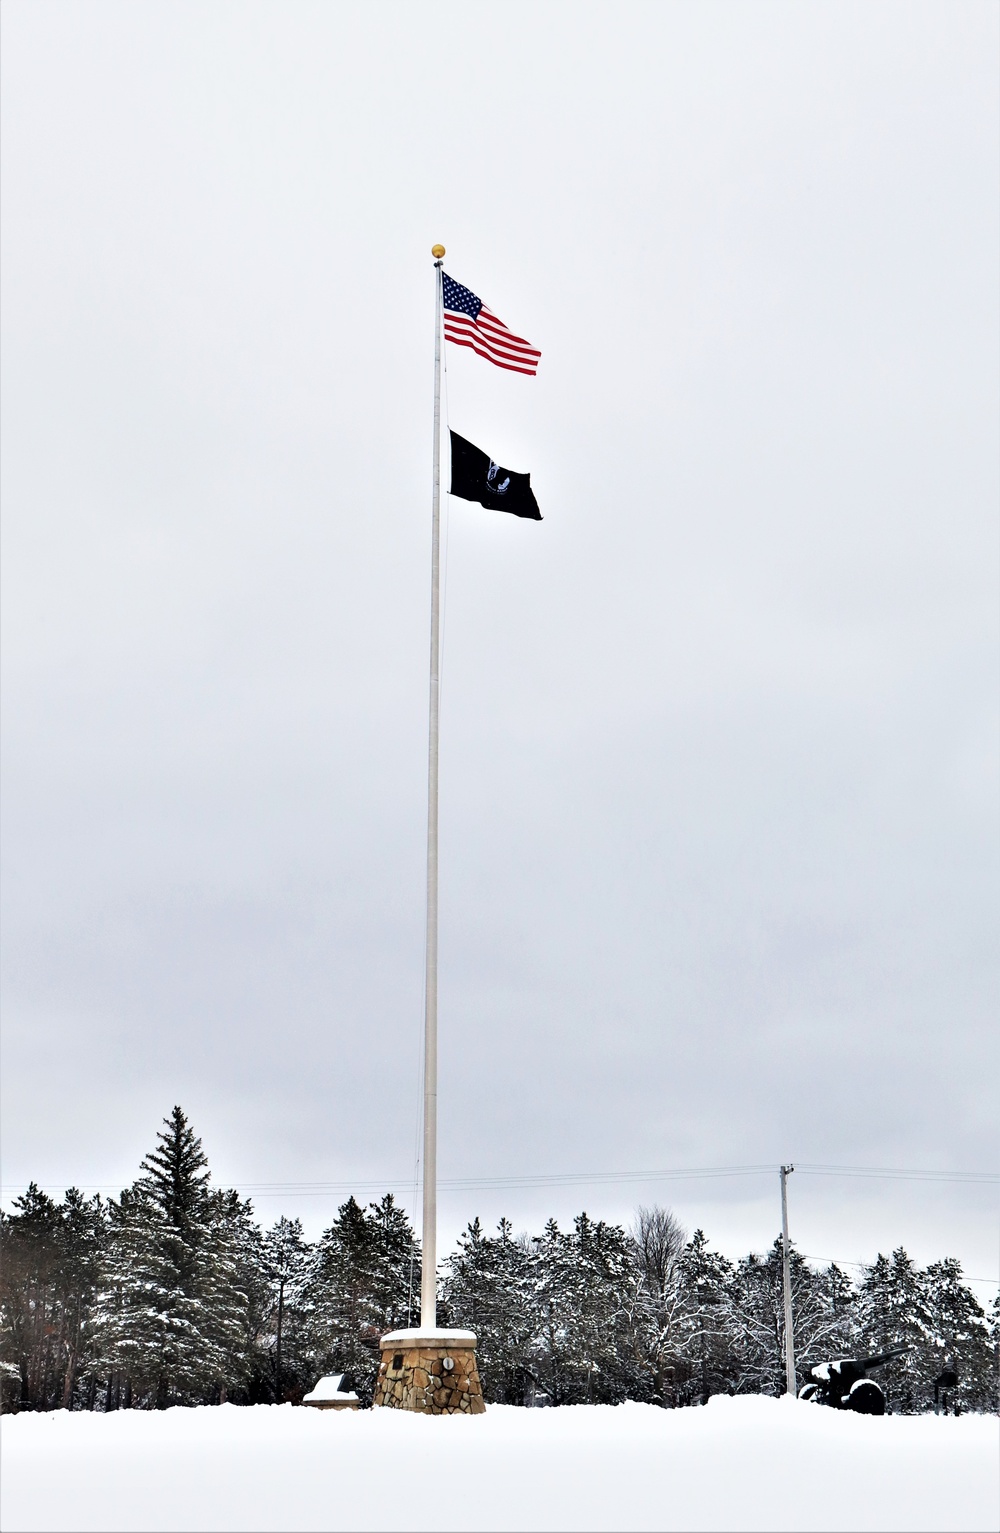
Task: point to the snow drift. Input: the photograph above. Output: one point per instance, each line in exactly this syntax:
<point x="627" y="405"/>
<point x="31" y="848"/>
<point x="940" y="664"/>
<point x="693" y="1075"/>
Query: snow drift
<point x="745" y="1463"/>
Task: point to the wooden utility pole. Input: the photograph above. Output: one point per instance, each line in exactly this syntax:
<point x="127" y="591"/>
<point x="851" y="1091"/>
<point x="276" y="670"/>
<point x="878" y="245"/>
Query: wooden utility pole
<point x="786" y="1284"/>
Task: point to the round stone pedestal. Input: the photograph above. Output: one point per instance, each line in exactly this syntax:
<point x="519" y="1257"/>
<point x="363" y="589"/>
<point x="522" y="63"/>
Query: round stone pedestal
<point x="430" y="1371"/>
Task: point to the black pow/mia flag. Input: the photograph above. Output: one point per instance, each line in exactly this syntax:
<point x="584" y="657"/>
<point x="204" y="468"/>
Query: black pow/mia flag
<point x="475" y="476"/>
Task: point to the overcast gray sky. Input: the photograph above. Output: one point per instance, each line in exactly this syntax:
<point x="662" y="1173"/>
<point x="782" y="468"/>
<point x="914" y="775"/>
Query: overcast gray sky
<point x="719" y="736"/>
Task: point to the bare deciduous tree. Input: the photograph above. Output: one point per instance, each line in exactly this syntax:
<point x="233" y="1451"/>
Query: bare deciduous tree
<point x="658" y="1241"/>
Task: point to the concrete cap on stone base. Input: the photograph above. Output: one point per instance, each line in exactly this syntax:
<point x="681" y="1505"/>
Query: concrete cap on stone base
<point x="410" y="1339"/>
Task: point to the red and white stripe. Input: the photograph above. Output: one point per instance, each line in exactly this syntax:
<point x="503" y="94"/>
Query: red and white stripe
<point x="489" y="337"/>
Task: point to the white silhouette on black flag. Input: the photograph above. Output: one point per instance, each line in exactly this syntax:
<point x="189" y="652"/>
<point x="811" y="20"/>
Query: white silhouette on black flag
<point x="475" y="476"/>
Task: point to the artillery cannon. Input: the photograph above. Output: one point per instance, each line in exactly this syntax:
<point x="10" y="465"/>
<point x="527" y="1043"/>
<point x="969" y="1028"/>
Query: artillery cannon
<point x="842" y="1383"/>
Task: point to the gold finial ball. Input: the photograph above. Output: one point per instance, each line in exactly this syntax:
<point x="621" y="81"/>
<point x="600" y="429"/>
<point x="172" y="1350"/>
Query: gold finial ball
<point x="437" y="251"/>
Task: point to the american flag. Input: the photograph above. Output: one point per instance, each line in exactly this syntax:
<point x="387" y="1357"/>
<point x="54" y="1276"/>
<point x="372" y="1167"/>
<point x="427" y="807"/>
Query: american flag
<point x="468" y="322"/>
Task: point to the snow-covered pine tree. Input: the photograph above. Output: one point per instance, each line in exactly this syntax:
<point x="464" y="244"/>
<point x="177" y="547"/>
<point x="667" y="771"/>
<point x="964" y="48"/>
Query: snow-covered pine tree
<point x="554" y="1361"/>
<point x="172" y="1322"/>
<point x="82" y="1240"/>
<point x="28" y="1287"/>
<point x="396" y="1268"/>
<point x="252" y="1282"/>
<point x="488" y="1289"/>
<point x="49" y="1275"/>
<point x="586" y="1292"/>
<point x="225" y="1283"/>
<point x="758" y="1322"/>
<point x="134" y="1294"/>
<point x="285" y="1262"/>
<point x="826" y="1321"/>
<point x="893" y="1312"/>
<point x="705" y="1333"/>
<point x="361" y="1284"/>
<point x="960" y="1336"/>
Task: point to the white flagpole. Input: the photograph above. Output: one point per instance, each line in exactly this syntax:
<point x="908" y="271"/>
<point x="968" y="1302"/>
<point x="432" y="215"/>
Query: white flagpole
<point x="428" y="1264"/>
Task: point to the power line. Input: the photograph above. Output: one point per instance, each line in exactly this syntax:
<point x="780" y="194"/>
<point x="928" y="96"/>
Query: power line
<point x="985" y="1178"/>
<point x="321" y="1189"/>
<point x="841" y="1261"/>
<point x="291" y="1189"/>
<point x="568" y="1179"/>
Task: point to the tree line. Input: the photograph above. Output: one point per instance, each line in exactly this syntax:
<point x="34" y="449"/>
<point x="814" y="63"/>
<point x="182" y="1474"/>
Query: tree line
<point x="172" y="1294"/>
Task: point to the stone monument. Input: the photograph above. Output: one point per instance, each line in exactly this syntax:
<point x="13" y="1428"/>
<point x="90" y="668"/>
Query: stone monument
<point x="430" y="1371"/>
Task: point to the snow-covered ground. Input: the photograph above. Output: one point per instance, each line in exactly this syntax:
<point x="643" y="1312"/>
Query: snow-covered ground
<point x="746" y="1463"/>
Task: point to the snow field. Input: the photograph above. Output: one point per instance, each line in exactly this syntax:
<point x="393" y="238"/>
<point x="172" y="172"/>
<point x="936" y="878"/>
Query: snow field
<point x="746" y="1463"/>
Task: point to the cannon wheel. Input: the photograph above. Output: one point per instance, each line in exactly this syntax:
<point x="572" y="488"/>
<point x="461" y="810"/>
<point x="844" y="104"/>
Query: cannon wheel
<point x="866" y="1398"/>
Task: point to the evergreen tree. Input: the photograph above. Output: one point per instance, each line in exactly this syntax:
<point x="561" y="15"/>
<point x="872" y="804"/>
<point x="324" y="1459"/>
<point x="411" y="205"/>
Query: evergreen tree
<point x="51" y="1269"/>
<point x="172" y="1318"/>
<point x="488" y="1288"/>
<point x="177" y="1178"/>
<point x="959" y="1336"/>
<point x="706" y="1341"/>
<point x="586" y="1290"/>
<point x="252" y="1282"/>
<point x="29" y="1278"/>
<point x="285" y="1262"/>
<point x="227" y="1245"/>
<point x="361" y="1286"/>
<point x="173" y="1294"/>
<point x="82" y="1239"/>
<point x="757" y="1318"/>
<point x="893" y="1312"/>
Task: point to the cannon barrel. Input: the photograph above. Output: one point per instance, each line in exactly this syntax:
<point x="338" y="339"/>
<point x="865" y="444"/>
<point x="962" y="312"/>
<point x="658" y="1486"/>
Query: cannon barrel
<point x="880" y="1358"/>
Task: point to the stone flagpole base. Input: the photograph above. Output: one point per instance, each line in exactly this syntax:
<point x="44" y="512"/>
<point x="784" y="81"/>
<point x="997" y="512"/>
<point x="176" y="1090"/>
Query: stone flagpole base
<point x="430" y="1371"/>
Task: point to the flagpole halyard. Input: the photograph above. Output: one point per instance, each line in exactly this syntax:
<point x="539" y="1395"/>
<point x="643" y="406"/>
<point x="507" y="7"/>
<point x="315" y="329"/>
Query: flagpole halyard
<point x="428" y="1263"/>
